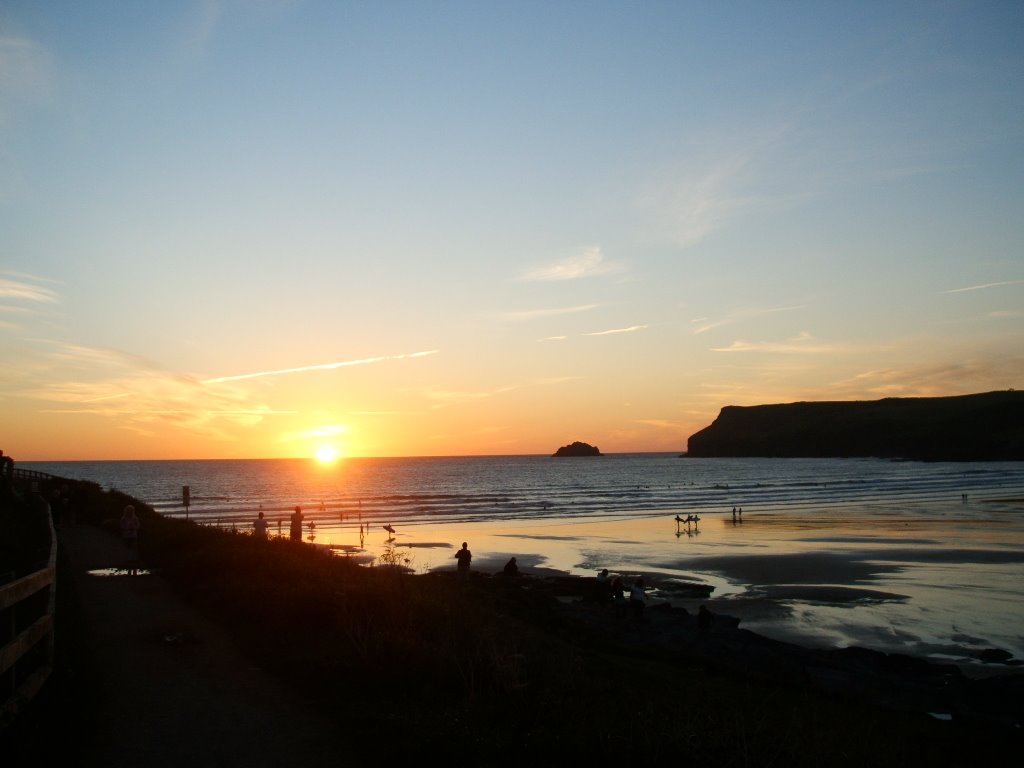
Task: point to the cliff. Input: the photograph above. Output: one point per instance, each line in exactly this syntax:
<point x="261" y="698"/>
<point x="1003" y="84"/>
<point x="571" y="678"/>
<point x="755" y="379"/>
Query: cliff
<point x="981" y="427"/>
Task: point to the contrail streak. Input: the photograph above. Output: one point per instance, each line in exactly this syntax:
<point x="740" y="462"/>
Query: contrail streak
<point x="321" y="367"/>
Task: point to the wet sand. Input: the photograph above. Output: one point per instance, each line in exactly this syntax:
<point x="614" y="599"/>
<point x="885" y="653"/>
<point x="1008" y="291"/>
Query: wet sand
<point x="942" y="581"/>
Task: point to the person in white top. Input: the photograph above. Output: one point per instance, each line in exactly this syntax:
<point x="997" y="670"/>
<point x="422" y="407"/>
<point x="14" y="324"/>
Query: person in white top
<point x="638" y="598"/>
<point x="130" y="525"/>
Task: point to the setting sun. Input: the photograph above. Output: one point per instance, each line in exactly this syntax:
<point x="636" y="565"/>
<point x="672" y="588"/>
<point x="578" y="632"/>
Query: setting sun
<point x="325" y="454"/>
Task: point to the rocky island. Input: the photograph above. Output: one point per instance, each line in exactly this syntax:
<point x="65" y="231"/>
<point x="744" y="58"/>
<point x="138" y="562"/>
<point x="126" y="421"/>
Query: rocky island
<point x="578" y="449"/>
<point x="979" y="427"/>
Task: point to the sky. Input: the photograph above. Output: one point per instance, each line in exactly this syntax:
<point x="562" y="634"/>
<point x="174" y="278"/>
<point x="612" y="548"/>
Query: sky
<point x="259" y="228"/>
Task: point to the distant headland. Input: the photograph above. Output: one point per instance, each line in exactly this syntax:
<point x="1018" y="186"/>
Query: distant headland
<point x="979" y="427"/>
<point x="578" y="449"/>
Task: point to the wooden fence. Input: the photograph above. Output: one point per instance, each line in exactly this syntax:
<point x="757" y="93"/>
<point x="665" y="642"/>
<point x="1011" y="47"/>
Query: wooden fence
<point x="26" y="625"/>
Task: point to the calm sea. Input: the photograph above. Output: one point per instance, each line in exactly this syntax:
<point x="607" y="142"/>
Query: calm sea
<point x="491" y="488"/>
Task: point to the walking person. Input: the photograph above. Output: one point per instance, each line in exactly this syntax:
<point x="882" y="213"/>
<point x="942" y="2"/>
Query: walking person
<point x="130" y="525"/>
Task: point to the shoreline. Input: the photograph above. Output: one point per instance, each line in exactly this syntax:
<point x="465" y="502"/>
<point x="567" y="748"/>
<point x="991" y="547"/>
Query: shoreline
<point x="988" y="696"/>
<point x="893" y="578"/>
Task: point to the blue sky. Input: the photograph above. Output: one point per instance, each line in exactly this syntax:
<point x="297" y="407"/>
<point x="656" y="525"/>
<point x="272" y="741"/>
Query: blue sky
<point x="247" y="228"/>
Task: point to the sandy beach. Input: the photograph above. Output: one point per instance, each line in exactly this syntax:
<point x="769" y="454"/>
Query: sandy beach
<point x="942" y="581"/>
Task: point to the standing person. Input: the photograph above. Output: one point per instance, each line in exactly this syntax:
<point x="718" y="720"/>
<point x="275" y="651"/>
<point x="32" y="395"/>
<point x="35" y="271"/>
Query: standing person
<point x="296" y="524"/>
<point x="260" y="527"/>
<point x="6" y="473"/>
<point x="705" y="619"/>
<point x="618" y="598"/>
<point x="637" y="598"/>
<point x="130" y="525"/>
<point x="464" y="556"/>
<point x="604" y="590"/>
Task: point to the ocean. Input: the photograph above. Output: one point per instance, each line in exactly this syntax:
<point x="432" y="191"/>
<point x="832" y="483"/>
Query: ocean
<point x="925" y="559"/>
<point x="492" y="488"/>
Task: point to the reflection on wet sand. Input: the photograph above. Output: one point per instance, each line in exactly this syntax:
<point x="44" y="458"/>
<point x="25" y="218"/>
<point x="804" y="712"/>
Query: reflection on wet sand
<point x="917" y="579"/>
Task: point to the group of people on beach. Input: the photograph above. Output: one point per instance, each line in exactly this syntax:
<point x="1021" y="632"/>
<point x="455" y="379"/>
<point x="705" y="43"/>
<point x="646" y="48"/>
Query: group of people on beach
<point x="295" y="522"/>
<point x="614" y="590"/>
<point x="294" y="528"/>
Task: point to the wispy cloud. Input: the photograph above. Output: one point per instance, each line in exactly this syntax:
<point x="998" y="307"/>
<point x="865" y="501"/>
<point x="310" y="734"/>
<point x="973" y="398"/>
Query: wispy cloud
<point x="700" y="204"/>
<point x="319" y="367"/>
<point x="704" y="324"/>
<point x="133" y="391"/>
<point x="703" y="195"/>
<point x="608" y="332"/>
<point x="142" y="400"/>
<point x="444" y="398"/>
<point x="26" y="290"/>
<point x="803" y="344"/>
<point x="611" y="331"/>
<point x="316" y="433"/>
<point x="83" y="356"/>
<point x="589" y="262"/>
<point x="987" y="371"/>
<point x="660" y="423"/>
<point x="532" y="314"/>
<point x="983" y="286"/>
<point x="451" y="397"/>
<point x="207" y="14"/>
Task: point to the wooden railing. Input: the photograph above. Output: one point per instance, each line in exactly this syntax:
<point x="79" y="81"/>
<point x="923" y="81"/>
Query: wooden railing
<point x="26" y="659"/>
<point x="19" y="474"/>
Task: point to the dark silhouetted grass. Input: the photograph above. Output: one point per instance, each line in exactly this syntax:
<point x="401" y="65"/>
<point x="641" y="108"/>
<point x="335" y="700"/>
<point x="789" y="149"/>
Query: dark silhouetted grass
<point x="420" y="666"/>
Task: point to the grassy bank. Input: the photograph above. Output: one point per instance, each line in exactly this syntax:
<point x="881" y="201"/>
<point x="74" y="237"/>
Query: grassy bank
<point x="416" y="666"/>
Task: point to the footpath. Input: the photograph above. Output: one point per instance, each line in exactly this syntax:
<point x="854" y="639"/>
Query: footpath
<point x="161" y="685"/>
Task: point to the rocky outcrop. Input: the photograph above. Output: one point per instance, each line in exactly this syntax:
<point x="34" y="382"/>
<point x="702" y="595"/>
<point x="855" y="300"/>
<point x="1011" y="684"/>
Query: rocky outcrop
<point x="578" y="449"/>
<point x="981" y="427"/>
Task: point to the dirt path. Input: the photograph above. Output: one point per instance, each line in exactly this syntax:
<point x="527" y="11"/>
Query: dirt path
<point x="171" y="689"/>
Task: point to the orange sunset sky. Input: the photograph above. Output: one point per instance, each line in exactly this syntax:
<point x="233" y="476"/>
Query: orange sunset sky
<point x="267" y="229"/>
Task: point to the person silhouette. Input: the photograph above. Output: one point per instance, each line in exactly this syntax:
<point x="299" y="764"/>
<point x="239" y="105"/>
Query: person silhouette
<point x="705" y="619"/>
<point x="295" y="531"/>
<point x="603" y="587"/>
<point x="638" y="598"/>
<point x="464" y="556"/>
<point x="130" y="525"/>
<point x="260" y="527"/>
